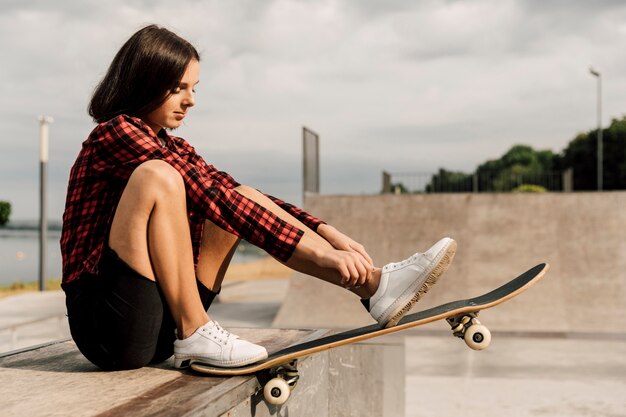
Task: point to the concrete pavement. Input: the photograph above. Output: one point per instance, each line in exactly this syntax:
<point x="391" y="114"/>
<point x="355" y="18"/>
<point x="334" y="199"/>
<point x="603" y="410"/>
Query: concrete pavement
<point x="518" y="375"/>
<point x="31" y="319"/>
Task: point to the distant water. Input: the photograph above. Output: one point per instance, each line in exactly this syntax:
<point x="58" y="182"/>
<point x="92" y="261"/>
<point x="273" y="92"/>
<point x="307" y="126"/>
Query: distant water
<point x="19" y="253"/>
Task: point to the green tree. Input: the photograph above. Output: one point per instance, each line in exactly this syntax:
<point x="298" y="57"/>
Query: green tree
<point x="529" y="188"/>
<point x="449" y="182"/>
<point x="523" y="165"/>
<point x="5" y="212"/>
<point x="519" y="165"/>
<point x="399" y="188"/>
<point x="581" y="154"/>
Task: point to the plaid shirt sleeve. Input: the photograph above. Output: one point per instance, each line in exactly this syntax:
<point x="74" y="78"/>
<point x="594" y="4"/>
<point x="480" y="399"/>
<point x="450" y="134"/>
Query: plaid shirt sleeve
<point x="308" y="220"/>
<point x="192" y="156"/>
<point x="124" y="143"/>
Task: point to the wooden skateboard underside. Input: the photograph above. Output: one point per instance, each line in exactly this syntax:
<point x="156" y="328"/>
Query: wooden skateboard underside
<point x="444" y="311"/>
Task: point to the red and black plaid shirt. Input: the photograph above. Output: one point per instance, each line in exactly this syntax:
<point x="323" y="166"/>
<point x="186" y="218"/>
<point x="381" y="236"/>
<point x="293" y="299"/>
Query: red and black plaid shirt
<point x="107" y="159"/>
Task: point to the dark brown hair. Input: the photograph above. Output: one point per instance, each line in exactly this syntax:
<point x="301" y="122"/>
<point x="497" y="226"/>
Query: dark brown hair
<point x="142" y="75"/>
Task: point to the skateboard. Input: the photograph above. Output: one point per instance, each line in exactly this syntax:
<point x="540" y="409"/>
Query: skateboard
<point x="279" y="374"/>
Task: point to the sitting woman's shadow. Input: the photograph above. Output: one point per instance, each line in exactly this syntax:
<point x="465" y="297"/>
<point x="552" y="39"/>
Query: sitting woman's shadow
<point x="59" y="356"/>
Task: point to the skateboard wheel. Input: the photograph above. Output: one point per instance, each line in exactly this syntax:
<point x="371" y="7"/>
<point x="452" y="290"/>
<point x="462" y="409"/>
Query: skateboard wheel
<point x="477" y="337"/>
<point x="276" y="391"/>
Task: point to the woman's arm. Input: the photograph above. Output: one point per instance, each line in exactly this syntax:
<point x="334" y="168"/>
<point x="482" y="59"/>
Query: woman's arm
<point x="193" y="157"/>
<point x="346" y="268"/>
<point x="310" y="221"/>
<point x="336" y="239"/>
<point x="126" y="142"/>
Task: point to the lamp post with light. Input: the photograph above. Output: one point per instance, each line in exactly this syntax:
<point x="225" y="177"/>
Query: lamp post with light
<point x="43" y="180"/>
<point x="600" y="151"/>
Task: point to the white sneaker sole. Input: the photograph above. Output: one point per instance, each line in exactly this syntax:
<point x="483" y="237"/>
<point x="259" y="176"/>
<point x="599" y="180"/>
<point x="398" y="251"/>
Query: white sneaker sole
<point x="184" y="361"/>
<point x="410" y="297"/>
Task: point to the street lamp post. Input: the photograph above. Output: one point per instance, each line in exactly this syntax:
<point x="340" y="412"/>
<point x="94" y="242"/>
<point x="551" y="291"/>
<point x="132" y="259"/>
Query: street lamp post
<point x="43" y="179"/>
<point x="600" y="150"/>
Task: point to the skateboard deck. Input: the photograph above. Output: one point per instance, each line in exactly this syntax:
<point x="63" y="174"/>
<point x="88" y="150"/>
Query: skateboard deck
<point x="461" y="315"/>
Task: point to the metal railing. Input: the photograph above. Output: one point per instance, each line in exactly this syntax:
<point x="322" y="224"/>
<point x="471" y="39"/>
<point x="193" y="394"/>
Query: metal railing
<point x="447" y="182"/>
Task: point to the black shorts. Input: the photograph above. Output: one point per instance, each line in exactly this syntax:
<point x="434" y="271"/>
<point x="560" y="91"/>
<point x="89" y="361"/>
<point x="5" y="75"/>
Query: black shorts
<point x="119" y="319"/>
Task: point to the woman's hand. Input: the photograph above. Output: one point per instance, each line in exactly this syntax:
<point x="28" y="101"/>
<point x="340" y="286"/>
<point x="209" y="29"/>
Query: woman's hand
<point x="352" y="267"/>
<point x="344" y="243"/>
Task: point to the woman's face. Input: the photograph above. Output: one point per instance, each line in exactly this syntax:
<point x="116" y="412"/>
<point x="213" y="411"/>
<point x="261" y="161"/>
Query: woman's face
<point x="172" y="112"/>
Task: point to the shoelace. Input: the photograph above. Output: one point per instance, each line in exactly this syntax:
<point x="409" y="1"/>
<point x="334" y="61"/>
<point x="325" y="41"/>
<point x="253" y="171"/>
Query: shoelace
<point x="395" y="265"/>
<point x="220" y="331"/>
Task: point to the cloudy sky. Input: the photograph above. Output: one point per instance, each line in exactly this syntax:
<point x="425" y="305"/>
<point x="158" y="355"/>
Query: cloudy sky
<point x="402" y="86"/>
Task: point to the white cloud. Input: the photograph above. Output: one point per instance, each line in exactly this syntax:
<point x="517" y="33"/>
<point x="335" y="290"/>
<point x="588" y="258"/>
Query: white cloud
<point x="395" y="85"/>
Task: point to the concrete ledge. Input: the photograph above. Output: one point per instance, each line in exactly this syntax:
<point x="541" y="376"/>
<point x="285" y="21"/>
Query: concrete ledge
<point x="56" y="380"/>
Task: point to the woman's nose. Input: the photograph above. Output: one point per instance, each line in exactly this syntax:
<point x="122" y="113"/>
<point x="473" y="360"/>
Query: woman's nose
<point x="189" y="100"/>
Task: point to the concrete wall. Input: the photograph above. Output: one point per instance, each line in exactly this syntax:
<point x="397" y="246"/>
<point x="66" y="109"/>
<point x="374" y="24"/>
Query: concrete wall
<point x="581" y="235"/>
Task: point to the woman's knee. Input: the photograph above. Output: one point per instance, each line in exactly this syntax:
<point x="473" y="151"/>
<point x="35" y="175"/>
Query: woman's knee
<point x="158" y="175"/>
<point x="151" y="183"/>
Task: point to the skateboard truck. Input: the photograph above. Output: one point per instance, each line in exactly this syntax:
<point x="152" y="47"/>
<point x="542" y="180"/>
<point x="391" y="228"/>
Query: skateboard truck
<point x="467" y="327"/>
<point x="283" y="380"/>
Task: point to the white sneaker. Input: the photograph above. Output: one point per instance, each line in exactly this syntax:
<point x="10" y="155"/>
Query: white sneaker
<point x="402" y="284"/>
<point x="212" y="345"/>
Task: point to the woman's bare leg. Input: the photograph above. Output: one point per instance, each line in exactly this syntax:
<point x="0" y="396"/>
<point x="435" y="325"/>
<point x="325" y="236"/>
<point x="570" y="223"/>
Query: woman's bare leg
<point x="307" y="266"/>
<point x="216" y="251"/>
<point x="218" y="247"/>
<point x="150" y="232"/>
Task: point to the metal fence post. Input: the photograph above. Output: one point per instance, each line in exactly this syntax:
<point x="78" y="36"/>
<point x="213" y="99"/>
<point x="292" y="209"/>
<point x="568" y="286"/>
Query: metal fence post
<point x="386" y="183"/>
<point x="568" y="180"/>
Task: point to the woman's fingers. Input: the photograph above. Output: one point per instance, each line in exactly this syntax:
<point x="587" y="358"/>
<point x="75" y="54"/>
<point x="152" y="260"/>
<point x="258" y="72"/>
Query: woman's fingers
<point x="354" y="274"/>
<point x="365" y="269"/>
<point x="364" y="273"/>
<point x="366" y="264"/>
<point x="360" y="249"/>
<point x="354" y="270"/>
<point x="344" y="271"/>
<point x="343" y="242"/>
